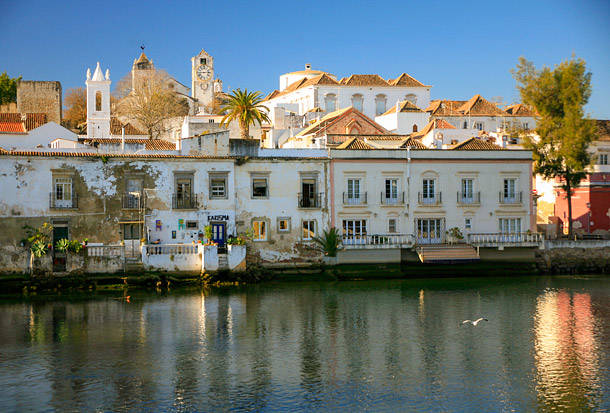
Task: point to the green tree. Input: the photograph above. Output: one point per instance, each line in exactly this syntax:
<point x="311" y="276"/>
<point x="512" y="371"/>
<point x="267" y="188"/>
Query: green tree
<point x="563" y="131"/>
<point x="246" y="108"/>
<point x="8" y="88"/>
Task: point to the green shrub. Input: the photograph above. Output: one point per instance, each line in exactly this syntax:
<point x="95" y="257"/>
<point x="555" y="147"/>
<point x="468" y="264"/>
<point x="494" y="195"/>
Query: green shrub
<point x="329" y="242"/>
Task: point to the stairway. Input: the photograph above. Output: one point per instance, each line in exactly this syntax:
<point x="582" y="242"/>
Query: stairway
<point x="447" y="254"/>
<point x="223" y="262"/>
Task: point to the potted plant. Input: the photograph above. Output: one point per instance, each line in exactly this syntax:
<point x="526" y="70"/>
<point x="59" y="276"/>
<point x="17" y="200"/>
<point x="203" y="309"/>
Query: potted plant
<point x="454" y="235"/>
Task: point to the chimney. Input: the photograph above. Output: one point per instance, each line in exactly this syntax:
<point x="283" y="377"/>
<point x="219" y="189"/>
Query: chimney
<point x="307" y="66"/>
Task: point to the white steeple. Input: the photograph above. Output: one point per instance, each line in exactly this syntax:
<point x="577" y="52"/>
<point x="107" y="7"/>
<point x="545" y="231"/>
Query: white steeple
<point x="98" y="103"/>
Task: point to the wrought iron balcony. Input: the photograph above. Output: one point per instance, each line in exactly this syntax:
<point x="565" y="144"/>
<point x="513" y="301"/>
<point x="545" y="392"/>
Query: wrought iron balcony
<point x="426" y="198"/>
<point x="310" y="200"/>
<point x="354" y="199"/>
<point x="468" y="198"/>
<point x="62" y="201"/>
<point x="511" y="197"/>
<point x="184" y="202"/>
<point x="131" y="200"/>
<point x="389" y="198"/>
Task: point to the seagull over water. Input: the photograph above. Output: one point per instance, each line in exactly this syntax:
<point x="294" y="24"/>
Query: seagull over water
<point x="474" y="323"/>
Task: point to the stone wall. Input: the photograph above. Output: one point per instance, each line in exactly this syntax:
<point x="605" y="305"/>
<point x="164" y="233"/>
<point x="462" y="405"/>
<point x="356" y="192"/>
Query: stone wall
<point x="573" y="260"/>
<point x="34" y="96"/>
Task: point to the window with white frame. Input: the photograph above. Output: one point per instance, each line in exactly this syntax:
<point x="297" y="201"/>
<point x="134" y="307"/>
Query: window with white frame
<point x="380" y="104"/>
<point x="391" y="191"/>
<point x="411" y="97"/>
<point x="428" y="194"/>
<point x="510" y="190"/>
<point x="602" y="159"/>
<point x="467" y="191"/>
<point x="218" y="186"/>
<point x="358" y="102"/>
<point x="62" y="192"/>
<point x="468" y="224"/>
<point x="283" y="224"/>
<point x="526" y="126"/>
<point x="260" y="186"/>
<point x="354" y="229"/>
<point x="479" y="125"/>
<point x="330" y="102"/>
<point x="510" y="225"/>
<point x="309" y="230"/>
<point x="259" y="229"/>
<point x="353" y="191"/>
<point x="392" y="226"/>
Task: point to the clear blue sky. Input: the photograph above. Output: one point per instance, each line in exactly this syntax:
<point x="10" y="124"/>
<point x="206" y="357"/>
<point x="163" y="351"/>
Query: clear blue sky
<point x="460" y="48"/>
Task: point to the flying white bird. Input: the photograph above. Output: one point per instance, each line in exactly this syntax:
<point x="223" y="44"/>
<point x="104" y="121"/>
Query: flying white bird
<point x="474" y="323"/>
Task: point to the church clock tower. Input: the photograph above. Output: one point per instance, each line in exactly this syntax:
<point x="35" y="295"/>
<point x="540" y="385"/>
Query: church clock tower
<point x="202" y="75"/>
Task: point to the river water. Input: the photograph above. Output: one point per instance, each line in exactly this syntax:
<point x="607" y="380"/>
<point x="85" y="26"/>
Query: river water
<point x="394" y="345"/>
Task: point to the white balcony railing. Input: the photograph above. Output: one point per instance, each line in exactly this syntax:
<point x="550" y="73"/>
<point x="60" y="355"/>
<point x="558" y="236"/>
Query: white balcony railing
<point x="171" y="249"/>
<point x="497" y="239"/>
<point x="378" y="241"/>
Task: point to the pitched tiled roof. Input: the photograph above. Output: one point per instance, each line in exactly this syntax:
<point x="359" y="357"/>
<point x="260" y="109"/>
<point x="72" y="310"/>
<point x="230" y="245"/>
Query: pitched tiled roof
<point x="116" y="128"/>
<point x="412" y="143"/>
<point x="354" y="143"/>
<point x="477" y="106"/>
<point x="322" y="79"/>
<point x="321" y="125"/>
<point x="9" y="122"/>
<point x="519" y="110"/>
<point x="474" y="144"/>
<point x="12" y="127"/>
<point x="272" y="95"/>
<point x="444" y="107"/>
<point x="436" y="124"/>
<point x="364" y="80"/>
<point x="405" y="80"/>
<point x="404" y="107"/>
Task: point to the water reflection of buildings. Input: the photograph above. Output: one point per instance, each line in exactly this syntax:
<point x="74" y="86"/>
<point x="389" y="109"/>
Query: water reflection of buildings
<point x="567" y="351"/>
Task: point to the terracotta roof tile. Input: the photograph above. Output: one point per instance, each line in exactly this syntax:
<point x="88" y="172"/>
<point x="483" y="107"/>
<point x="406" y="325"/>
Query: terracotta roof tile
<point x="364" y="80"/>
<point x="413" y="144"/>
<point x="436" y="124"/>
<point x="475" y="144"/>
<point x="477" y="106"/>
<point x="519" y="110"/>
<point x="143" y="156"/>
<point x="29" y="121"/>
<point x="405" y="80"/>
<point x="12" y="127"/>
<point x="355" y="143"/>
<point x="445" y="107"/>
<point x="404" y="107"/>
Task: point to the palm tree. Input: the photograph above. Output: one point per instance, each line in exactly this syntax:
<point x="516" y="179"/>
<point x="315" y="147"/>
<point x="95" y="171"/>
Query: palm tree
<point x="246" y="107"/>
<point x="329" y="242"/>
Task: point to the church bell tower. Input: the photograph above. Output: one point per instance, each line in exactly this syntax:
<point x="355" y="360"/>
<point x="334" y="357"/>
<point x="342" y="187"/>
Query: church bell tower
<point x="202" y="78"/>
<point x="98" y="103"/>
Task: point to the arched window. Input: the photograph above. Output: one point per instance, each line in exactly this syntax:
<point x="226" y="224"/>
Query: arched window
<point x="330" y="102"/>
<point x="380" y="104"/>
<point x="465" y="125"/>
<point x="414" y="128"/>
<point x="358" y="102"/>
<point x="98" y="101"/>
<point x="411" y="97"/>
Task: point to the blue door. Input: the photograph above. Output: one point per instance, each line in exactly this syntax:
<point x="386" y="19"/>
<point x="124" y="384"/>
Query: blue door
<point x="218" y="233"/>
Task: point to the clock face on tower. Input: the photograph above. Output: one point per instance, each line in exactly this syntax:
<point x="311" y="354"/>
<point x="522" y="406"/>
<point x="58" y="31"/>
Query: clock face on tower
<point x="203" y="72"/>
